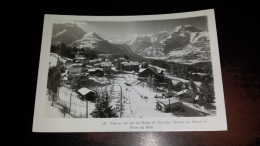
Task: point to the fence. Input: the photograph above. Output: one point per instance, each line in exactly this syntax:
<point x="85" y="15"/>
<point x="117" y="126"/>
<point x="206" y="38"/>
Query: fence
<point x="64" y="107"/>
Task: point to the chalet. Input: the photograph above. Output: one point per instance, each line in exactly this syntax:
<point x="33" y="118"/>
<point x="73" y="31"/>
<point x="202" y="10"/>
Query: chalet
<point x="152" y="72"/>
<point x="132" y="66"/>
<point x="167" y="104"/>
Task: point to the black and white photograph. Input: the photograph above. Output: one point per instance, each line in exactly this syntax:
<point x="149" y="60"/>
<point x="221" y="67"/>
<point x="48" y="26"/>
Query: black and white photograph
<point x="161" y="68"/>
<point x="130" y="69"/>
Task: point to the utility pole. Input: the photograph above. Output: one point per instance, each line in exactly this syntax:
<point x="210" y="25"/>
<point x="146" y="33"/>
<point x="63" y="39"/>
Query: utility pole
<point x="86" y="106"/>
<point x="121" y="101"/>
<point x="169" y="104"/>
<point x="70" y="102"/>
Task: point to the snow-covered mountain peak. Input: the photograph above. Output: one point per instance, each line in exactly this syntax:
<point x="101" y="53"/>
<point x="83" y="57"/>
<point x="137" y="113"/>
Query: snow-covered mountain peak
<point x="93" y="35"/>
<point x="188" y="28"/>
<point x="162" y="32"/>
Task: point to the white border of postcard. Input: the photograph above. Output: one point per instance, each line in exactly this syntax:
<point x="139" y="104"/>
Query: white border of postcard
<point x="43" y="124"/>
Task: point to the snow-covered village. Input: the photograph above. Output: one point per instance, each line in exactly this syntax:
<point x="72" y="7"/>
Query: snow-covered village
<point x="157" y="74"/>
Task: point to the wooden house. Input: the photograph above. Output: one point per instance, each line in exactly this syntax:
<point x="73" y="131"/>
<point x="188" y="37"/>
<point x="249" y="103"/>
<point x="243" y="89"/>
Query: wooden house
<point x="152" y="72"/>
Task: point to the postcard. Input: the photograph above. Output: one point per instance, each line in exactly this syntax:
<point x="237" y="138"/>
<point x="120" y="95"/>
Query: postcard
<point x="130" y="73"/>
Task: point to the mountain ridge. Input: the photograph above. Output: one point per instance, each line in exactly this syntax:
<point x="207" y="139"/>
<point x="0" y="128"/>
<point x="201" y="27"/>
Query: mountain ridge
<point x="187" y="44"/>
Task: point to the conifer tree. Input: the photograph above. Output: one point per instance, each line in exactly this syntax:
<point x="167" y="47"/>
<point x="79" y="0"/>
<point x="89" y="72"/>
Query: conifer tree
<point x="103" y="108"/>
<point x="207" y="91"/>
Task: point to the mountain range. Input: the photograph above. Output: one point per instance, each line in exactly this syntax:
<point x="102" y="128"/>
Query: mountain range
<point x="187" y="45"/>
<point x="74" y="37"/>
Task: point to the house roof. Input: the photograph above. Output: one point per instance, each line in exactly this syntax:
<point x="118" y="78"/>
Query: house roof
<point x="94" y="69"/>
<point x="130" y="63"/>
<point x="92" y="61"/>
<point x="186" y="91"/>
<point x="201" y="74"/>
<point x="88" y="66"/>
<point x="106" y="64"/>
<point x="98" y="64"/>
<point x="84" y="91"/>
<point x="153" y="69"/>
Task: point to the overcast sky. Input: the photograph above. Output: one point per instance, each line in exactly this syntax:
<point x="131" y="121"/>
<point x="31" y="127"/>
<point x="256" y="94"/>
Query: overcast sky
<point x="126" y="29"/>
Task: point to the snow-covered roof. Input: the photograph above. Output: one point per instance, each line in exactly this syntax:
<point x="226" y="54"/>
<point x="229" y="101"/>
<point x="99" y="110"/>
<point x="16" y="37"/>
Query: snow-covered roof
<point x="84" y="91"/>
<point x="65" y="78"/>
<point x="92" y="61"/>
<point x="122" y="58"/>
<point x="113" y="68"/>
<point x="197" y="97"/>
<point x="201" y="74"/>
<point x="182" y="92"/>
<point x="98" y="64"/>
<point x="80" y="58"/>
<point x="95" y="69"/>
<point x="88" y="66"/>
<point x="91" y="70"/>
<point x="142" y="69"/>
<point x="131" y="64"/>
<point x="189" y="92"/>
<point x="106" y="64"/>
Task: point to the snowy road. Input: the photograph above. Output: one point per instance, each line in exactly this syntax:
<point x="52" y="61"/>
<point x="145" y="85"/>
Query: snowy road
<point x="136" y="106"/>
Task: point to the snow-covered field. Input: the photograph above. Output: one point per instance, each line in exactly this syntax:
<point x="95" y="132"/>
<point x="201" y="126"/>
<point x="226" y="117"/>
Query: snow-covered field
<point x="54" y="111"/>
<point x="136" y="106"/>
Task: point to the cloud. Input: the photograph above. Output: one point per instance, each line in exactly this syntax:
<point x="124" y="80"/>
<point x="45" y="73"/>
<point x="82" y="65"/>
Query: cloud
<point x="80" y="24"/>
